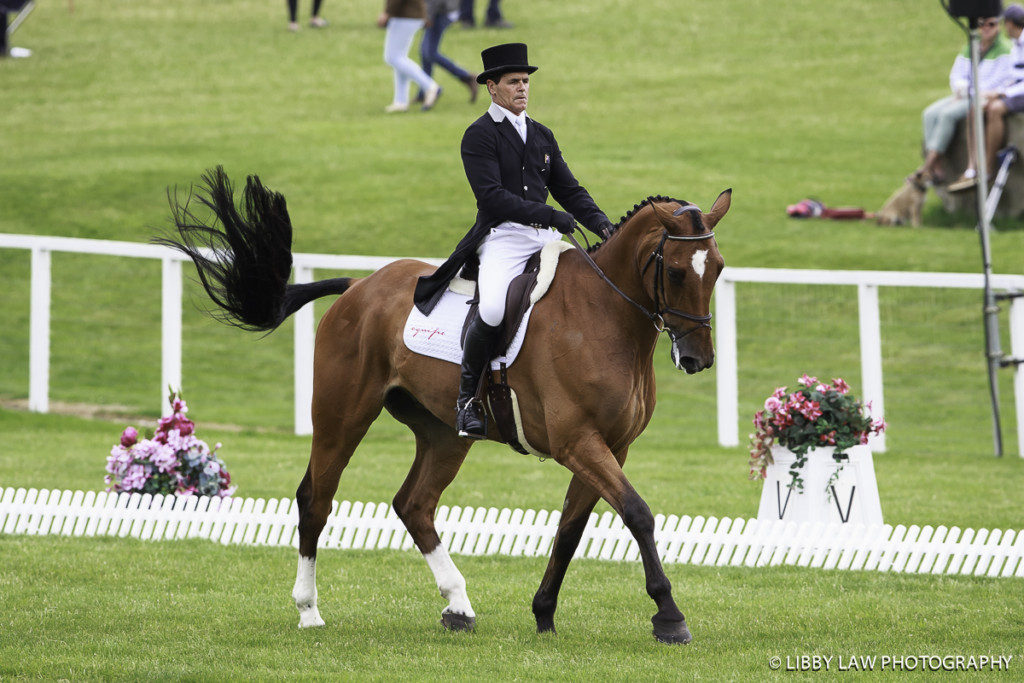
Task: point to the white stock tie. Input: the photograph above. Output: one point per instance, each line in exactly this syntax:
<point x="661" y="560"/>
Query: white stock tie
<point x="520" y="124"/>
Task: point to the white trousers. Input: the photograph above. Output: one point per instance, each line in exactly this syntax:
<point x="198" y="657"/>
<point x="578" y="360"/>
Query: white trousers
<point x="397" y="42"/>
<point x="503" y="254"/>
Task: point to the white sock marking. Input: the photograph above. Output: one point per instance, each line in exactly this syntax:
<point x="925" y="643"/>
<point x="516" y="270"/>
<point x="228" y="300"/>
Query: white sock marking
<point x="449" y="581"/>
<point x="699" y="261"/>
<point x="304" y="593"/>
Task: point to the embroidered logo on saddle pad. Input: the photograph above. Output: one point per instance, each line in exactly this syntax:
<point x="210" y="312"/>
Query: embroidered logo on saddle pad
<point x="439" y="334"/>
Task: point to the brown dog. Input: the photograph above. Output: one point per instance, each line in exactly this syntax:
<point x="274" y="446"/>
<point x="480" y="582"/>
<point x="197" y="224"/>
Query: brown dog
<point x="904" y="206"/>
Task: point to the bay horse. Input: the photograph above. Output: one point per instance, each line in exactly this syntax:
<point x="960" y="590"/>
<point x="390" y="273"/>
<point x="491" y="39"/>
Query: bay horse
<point x="584" y="375"/>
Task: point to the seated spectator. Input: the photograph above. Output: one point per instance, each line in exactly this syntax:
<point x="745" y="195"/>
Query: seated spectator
<point x="1006" y="100"/>
<point x="942" y="116"/>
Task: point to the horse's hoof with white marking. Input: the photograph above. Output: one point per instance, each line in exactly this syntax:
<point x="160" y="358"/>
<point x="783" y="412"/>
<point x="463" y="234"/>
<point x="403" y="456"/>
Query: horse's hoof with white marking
<point x="457" y="622"/>
<point x="310" y="617"/>
<point x="672" y="633"/>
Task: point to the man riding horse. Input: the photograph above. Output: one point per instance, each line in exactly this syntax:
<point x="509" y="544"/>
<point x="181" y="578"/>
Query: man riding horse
<point x="512" y="162"/>
<point x="655" y="273"/>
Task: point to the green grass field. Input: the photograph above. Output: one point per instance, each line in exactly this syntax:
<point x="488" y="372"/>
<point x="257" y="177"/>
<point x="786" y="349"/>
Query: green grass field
<point x="116" y="608"/>
<point x="126" y="98"/>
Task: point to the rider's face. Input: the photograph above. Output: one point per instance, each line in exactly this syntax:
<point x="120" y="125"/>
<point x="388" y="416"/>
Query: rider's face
<point x="511" y="92"/>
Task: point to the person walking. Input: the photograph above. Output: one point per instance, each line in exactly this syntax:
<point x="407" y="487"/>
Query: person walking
<point x="439" y="18"/>
<point x="494" y="18"/>
<point x="403" y="18"/>
<point x="511" y="162"/>
<point x="315" y="20"/>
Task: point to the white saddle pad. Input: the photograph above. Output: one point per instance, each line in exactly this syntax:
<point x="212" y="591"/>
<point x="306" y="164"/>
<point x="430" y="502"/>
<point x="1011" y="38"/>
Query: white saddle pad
<point x="438" y="335"/>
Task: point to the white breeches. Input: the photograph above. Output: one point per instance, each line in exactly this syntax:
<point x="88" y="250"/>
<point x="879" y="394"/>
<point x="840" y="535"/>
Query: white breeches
<point x="503" y="254"/>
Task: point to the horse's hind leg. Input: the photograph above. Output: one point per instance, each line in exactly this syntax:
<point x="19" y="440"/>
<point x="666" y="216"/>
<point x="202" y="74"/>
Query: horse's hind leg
<point x="339" y="423"/>
<point x="439" y="455"/>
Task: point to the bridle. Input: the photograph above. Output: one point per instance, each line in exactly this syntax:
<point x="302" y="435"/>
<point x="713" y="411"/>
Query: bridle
<point x="657" y="257"/>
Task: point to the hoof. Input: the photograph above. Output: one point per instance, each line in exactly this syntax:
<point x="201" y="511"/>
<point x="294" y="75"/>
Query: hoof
<point x="672" y="633"/>
<point x="546" y="625"/>
<point x="310" y="617"/>
<point x="457" y="622"/>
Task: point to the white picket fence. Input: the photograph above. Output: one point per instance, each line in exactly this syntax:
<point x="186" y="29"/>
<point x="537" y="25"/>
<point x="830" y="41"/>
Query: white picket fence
<point x="487" y="531"/>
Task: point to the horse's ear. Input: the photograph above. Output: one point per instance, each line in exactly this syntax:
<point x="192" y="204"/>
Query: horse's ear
<point x="718" y="209"/>
<point x="668" y="221"/>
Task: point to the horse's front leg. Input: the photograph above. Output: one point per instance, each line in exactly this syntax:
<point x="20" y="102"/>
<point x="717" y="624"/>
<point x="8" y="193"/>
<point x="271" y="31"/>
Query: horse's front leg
<point x="593" y="463"/>
<point x="579" y="502"/>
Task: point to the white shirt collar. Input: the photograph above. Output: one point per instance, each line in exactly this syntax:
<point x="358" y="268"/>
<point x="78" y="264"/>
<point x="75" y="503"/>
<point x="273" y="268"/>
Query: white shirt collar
<point x="499" y="112"/>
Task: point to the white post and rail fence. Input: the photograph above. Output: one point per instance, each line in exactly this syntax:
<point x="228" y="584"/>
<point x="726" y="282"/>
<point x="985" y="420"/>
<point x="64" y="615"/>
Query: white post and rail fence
<point x="727" y="363"/>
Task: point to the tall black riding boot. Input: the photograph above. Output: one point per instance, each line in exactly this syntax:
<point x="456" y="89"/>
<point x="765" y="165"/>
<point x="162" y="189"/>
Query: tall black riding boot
<point x="477" y="351"/>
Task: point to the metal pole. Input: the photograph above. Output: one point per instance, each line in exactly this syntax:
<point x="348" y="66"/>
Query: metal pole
<point x="993" y="354"/>
<point x="21" y="16"/>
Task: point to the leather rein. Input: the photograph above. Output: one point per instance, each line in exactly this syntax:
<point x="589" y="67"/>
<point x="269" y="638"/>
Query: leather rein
<point x="657" y="257"/>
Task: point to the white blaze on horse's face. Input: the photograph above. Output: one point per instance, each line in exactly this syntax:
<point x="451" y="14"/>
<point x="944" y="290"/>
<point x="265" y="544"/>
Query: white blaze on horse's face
<point x="699" y="261"/>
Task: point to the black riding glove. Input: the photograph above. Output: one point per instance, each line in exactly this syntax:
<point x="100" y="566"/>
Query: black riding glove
<point x="605" y="229"/>
<point x="563" y="222"/>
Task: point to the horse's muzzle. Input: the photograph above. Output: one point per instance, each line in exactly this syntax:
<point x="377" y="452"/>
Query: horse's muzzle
<point x="691" y="360"/>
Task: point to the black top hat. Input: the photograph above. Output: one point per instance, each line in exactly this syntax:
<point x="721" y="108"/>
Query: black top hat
<point x="501" y="59"/>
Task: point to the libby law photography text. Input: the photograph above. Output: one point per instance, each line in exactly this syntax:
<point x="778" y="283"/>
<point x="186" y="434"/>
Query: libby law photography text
<point x="891" y="663"/>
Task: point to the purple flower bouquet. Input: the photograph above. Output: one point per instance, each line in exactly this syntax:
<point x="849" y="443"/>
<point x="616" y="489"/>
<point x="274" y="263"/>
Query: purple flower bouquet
<point x="173" y="461"/>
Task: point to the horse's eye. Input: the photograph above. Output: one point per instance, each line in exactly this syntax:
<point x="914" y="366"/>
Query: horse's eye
<point x="676" y="275"/>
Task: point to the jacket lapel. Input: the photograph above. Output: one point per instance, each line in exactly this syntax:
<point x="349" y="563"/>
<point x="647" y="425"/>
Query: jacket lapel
<point x="531" y="135"/>
<point x="509" y="131"/>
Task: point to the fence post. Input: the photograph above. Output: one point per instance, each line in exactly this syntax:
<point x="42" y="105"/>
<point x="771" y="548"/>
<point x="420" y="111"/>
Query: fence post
<point x="727" y="366"/>
<point x="871" y="357"/>
<point x="1017" y="351"/>
<point x="304" y="342"/>
<point x="170" y="326"/>
<point x="39" y="333"/>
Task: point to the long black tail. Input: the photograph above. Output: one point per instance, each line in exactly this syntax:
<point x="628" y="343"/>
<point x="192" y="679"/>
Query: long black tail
<point x="245" y="264"/>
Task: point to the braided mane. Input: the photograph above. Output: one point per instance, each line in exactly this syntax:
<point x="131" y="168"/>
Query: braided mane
<point x="632" y="212"/>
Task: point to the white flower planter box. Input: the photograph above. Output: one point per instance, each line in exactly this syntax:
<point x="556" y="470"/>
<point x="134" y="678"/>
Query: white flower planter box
<point x="854" y="492"/>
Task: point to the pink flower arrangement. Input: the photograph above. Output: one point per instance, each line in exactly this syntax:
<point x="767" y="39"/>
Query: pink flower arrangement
<point x="815" y="415"/>
<point x="173" y="461"/>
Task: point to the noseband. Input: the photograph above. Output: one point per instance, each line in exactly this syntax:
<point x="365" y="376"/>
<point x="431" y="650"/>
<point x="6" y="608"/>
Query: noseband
<point x="658" y="258"/>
